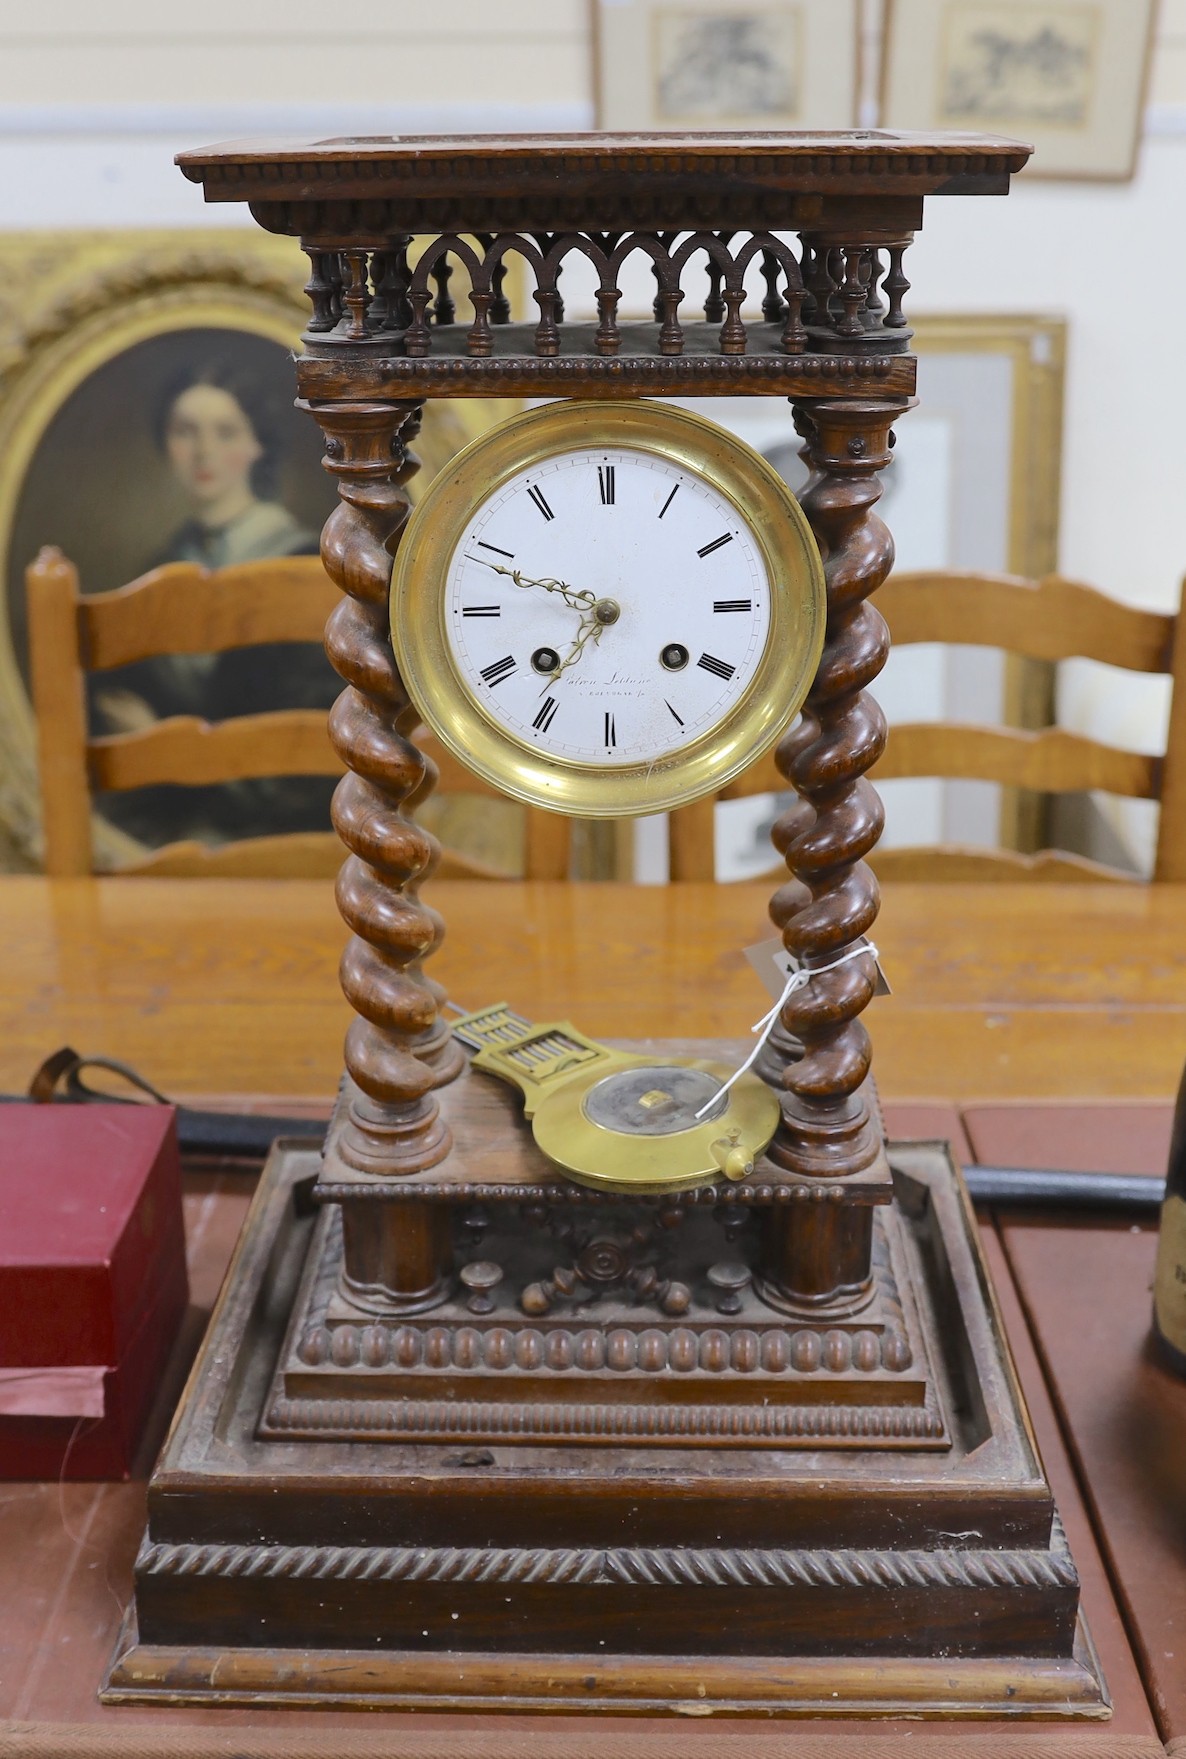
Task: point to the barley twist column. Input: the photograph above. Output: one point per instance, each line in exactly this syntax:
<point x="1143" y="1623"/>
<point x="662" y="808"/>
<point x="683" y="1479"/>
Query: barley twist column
<point x="818" y="1255"/>
<point x="397" y="1050"/>
<point x="827" y="1128"/>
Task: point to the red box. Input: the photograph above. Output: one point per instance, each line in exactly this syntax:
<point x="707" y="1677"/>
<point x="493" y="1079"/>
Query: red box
<point x="93" y="1284"/>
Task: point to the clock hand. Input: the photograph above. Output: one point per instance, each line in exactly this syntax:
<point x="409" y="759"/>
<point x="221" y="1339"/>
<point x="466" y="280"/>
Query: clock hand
<point x="580" y="601"/>
<point x="603" y="613"/>
<point x="590" y="630"/>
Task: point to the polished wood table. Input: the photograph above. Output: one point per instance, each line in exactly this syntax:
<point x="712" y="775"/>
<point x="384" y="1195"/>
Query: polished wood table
<point x="1003" y="996"/>
<point x="230" y="986"/>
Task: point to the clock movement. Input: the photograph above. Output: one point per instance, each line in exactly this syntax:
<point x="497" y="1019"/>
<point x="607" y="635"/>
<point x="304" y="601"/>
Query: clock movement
<point x="585" y="1376"/>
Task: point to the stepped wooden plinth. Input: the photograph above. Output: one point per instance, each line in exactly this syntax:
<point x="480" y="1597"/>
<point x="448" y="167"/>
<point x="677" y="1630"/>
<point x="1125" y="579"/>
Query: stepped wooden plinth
<point x="604" y="1504"/>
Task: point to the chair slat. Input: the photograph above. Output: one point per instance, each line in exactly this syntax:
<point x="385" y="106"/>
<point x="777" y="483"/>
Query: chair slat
<point x="1053" y="760"/>
<point x="286" y="742"/>
<point x="454" y="865"/>
<point x="182" y="608"/>
<point x="59" y="702"/>
<point x="1170" y="862"/>
<point x="991" y="865"/>
<point x="1050" y="619"/>
<point x="294" y="855"/>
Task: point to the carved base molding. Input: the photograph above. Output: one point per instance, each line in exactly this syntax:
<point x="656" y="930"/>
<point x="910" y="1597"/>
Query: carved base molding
<point x="610" y="1364"/>
<point x="374" y="1564"/>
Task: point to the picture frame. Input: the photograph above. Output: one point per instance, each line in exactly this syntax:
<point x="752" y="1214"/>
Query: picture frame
<point x="103" y="339"/>
<point x="726" y="64"/>
<point x="1068" y="76"/>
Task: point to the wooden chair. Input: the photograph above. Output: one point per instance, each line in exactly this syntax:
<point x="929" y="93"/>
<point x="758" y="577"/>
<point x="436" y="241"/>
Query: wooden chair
<point x="178" y="609"/>
<point x="1051" y="619"/>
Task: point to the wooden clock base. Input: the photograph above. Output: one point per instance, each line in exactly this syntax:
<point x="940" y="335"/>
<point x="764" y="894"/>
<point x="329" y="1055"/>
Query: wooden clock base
<point x="514" y="1512"/>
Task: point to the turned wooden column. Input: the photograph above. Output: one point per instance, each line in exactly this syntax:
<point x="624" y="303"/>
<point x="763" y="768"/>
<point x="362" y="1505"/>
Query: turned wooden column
<point x="827" y="1127"/>
<point x="817" y="1254"/>
<point x="398" y="1050"/>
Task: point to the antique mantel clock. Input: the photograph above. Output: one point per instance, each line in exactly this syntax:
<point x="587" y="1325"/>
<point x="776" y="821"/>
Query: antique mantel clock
<point x="569" y="1376"/>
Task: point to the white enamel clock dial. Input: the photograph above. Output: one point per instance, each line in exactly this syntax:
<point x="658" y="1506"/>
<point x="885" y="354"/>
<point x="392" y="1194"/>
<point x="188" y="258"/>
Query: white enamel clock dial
<point x="608" y="606"/>
<point x="607" y="609"/>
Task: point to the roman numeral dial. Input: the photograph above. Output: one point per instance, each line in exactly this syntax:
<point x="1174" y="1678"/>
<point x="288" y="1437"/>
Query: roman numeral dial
<point x="607" y="606"/>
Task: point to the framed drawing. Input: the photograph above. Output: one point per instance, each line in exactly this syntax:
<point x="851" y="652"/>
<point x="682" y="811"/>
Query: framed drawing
<point x="146" y="416"/>
<point x="723" y="64"/>
<point x="1070" y="76"/>
<point x="975" y="484"/>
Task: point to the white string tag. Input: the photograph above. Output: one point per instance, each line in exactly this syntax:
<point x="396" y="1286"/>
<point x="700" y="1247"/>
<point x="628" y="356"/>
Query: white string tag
<point x="798" y="977"/>
<point x="773" y="965"/>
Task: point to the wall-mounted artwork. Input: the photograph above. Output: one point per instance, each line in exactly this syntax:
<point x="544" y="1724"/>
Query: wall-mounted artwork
<point x="147" y="416"/>
<point x="1069" y="76"/>
<point x="722" y="64"/>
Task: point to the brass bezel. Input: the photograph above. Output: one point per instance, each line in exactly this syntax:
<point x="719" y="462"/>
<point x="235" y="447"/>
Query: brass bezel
<point x="775" y="694"/>
<point x="613" y="1160"/>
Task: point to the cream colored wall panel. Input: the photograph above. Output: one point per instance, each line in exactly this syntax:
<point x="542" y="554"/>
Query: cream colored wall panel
<point x="1171" y="18"/>
<point x="368" y="69"/>
<point x="153" y="21"/>
<point x="1168" y="84"/>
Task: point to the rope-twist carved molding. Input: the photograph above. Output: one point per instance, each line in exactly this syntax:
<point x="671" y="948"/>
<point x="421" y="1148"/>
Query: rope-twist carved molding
<point x="837" y="817"/>
<point x="469" y="1420"/>
<point x="397" y="1049"/>
<point x="661" y="1568"/>
<point x="827" y="296"/>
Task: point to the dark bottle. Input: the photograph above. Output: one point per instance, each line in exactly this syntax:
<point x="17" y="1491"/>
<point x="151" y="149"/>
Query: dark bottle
<point x="1169" y="1280"/>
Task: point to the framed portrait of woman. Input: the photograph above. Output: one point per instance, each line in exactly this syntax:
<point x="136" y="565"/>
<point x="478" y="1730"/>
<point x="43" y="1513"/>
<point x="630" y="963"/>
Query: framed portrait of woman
<point x="147" y="416"/>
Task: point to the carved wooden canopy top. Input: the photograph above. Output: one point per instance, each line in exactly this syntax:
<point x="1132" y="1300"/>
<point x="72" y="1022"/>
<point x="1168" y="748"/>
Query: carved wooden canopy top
<point x="429" y="183"/>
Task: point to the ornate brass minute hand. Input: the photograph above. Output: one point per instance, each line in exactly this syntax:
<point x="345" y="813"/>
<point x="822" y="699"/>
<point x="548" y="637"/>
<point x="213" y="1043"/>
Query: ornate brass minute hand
<point x="580" y="601"/>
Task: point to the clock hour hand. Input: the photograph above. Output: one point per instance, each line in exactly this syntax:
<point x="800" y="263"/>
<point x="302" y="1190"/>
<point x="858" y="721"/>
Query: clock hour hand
<point x="580" y="601"/>
<point x="603" y="613"/>
<point x="590" y="630"/>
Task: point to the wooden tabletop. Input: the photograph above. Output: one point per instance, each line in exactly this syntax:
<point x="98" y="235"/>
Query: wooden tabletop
<point x="999" y="993"/>
<point x="231" y="986"/>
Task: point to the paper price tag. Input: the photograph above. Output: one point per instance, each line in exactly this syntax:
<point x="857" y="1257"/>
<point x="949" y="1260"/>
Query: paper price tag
<point x="774" y="965"/>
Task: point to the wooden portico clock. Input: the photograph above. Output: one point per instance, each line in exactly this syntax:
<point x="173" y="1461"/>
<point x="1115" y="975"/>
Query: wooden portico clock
<point x="573" y="1377"/>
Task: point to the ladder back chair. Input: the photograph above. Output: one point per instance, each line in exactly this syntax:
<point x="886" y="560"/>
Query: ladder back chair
<point x="184" y="609"/>
<point x="1051" y="619"/>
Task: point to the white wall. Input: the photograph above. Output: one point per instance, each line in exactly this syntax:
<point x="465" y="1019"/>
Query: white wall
<point x="95" y="100"/>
